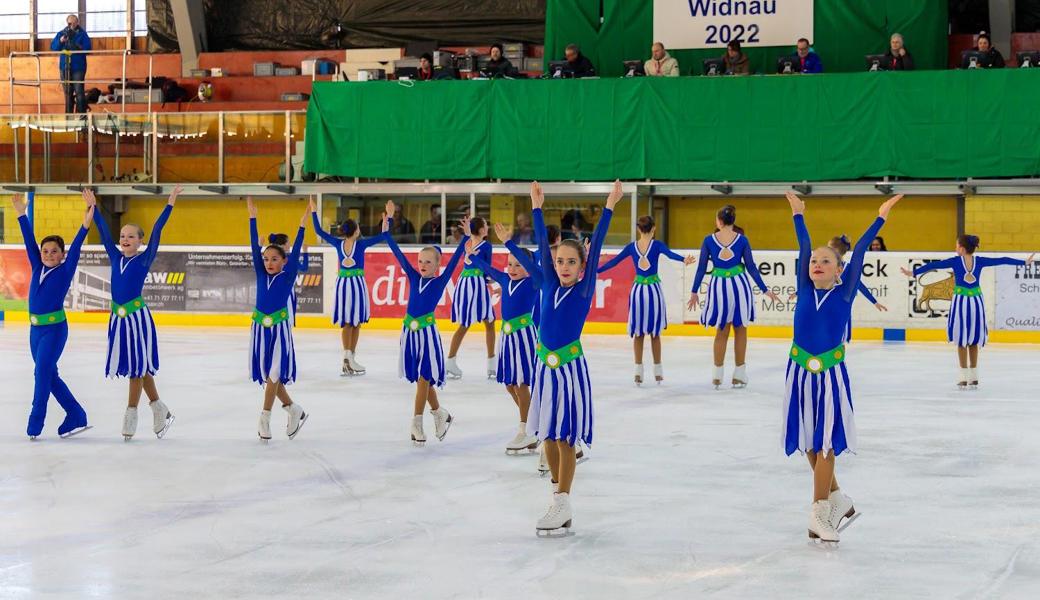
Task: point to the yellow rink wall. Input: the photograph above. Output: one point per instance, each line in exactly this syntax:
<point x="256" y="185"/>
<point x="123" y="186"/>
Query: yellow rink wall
<point x="1004" y="223"/>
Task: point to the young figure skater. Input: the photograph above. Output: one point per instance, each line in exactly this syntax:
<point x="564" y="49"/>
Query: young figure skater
<point x="352" y="304"/>
<point x="561" y="400"/>
<point x="818" y="415"/>
<point x="272" y="359"/>
<point x="422" y="355"/>
<point x="517" y="350"/>
<point x="966" y="322"/>
<point x="472" y="301"/>
<point x="133" y="346"/>
<point x="646" y="309"/>
<point x="52" y="273"/>
<point x="282" y="240"/>
<point x="730" y="302"/>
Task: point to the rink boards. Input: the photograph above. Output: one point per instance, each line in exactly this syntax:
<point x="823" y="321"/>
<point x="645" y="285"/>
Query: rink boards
<point x="215" y="285"/>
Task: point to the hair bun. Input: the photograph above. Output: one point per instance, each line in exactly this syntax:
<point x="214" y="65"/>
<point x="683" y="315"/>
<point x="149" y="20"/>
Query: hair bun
<point x="271" y="237"/>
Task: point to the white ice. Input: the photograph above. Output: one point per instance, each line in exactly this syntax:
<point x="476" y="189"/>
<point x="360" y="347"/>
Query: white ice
<point x="687" y="494"/>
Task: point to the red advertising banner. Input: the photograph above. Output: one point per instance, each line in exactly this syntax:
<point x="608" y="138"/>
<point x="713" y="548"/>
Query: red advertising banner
<point x="15" y="276"/>
<point x="389" y="287"/>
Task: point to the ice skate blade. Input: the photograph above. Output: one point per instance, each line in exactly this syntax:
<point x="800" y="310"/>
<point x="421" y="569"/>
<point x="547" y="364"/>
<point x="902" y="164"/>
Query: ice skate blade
<point x="716" y="384"/>
<point x="815" y="539"/>
<point x="849" y="520"/>
<point x="660" y="380"/>
<point x="558" y="532"/>
<point x="447" y="426"/>
<point x="418" y="443"/>
<point x="522" y="451"/>
<point x="127" y="438"/>
<point x="264" y="440"/>
<point x="75" y="431"/>
<point x="169" y="421"/>
<point x="739" y="385"/>
<point x="303" y="419"/>
<point x="33" y="438"/>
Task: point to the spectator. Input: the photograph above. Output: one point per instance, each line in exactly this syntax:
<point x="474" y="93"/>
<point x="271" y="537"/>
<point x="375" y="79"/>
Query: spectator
<point x="736" y="61"/>
<point x="578" y="65"/>
<point x="430" y="233"/>
<point x="661" y="64"/>
<point x="523" y="234"/>
<point x="992" y="59"/>
<point x="426" y="67"/>
<point x="499" y="66"/>
<point x="573" y="225"/>
<point x="898" y="57"/>
<point x="809" y="61"/>
<point x="878" y="245"/>
<point x="403" y="231"/>
<point x="457" y="233"/>
<point x="73" y="66"/>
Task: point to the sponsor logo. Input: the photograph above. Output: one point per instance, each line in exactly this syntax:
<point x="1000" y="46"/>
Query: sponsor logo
<point x="159" y="277"/>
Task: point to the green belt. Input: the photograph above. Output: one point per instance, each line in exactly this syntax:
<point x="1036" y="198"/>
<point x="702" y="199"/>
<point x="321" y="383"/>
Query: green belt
<point x="417" y="323"/>
<point x="272" y="319"/>
<point x="820" y="363"/>
<point x="351" y="272"/>
<point x="472" y="273"/>
<point x="48" y="319"/>
<point x="648" y="279"/>
<point x="963" y="291"/>
<point x="730" y="272"/>
<point x="125" y="310"/>
<point x="554" y="359"/>
<point x="517" y="323"/>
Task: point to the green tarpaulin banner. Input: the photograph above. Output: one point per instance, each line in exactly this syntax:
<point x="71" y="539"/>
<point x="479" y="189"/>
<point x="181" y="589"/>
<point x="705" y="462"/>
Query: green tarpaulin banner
<point x="845" y="32"/>
<point x="925" y="124"/>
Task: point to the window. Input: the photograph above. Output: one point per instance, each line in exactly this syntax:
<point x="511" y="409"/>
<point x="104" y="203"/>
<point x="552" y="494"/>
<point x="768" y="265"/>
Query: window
<point x="13" y="25"/>
<point x="106" y="18"/>
<point x="51" y="15"/>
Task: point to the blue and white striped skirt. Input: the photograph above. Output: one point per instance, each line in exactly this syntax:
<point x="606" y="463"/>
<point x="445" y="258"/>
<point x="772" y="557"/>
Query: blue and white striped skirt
<point x="351" y="306"/>
<point x="561" y="403"/>
<point x="272" y="353"/>
<point x="517" y="356"/>
<point x="646" y="311"/>
<point x="422" y="355"/>
<point x="966" y="325"/>
<point x="133" y="347"/>
<point x="848" y="333"/>
<point x="730" y="300"/>
<point x="292" y="305"/>
<point x="472" y="302"/>
<point x="818" y="413"/>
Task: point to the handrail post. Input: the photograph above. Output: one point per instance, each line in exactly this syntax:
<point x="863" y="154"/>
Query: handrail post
<point x="220" y="147"/>
<point x="28" y="152"/>
<point x="90" y="148"/>
<point x="288" y="154"/>
<point x="124" y="82"/>
<point x="149" y="81"/>
<point x="155" y="147"/>
<point x="10" y="82"/>
<point x="39" y="85"/>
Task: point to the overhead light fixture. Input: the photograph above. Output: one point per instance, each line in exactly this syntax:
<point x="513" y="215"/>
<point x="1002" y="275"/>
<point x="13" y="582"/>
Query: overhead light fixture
<point x="725" y="189"/>
<point x="803" y="189"/>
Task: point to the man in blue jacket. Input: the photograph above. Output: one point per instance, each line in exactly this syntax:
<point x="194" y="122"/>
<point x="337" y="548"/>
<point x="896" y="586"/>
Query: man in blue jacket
<point x="73" y="66"/>
<point x="809" y="61"/>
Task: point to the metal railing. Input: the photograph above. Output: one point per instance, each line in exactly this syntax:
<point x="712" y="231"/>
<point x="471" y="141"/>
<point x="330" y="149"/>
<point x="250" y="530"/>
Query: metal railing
<point x="38" y="83"/>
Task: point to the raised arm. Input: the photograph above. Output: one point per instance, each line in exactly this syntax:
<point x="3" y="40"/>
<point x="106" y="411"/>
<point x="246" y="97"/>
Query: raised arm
<point x="155" y="237"/>
<point x="296" y="255"/>
<point x="456" y="256"/>
<point x="490" y="271"/>
<point x="854" y="270"/>
<point x="383" y="236"/>
<point x="28" y="237"/>
<point x="72" y="256"/>
<point x="254" y="248"/>
<point x="752" y="268"/>
<point x="801" y="232"/>
<point x="106" y="236"/>
<point x="527" y="262"/>
<point x="588" y="283"/>
<point x="402" y="260"/>
<point x="987" y="261"/>
<point x="329" y="238"/>
<point x="610" y="264"/>
<point x="540" y="233"/>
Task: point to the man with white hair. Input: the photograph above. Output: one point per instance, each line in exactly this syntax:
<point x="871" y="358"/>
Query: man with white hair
<point x="661" y="64"/>
<point x="73" y="67"/>
<point x="898" y="58"/>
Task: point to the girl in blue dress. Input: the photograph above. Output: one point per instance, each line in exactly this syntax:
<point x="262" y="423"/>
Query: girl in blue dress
<point x="646" y="309"/>
<point x="472" y="300"/>
<point x="422" y="353"/>
<point x="966" y="323"/>
<point x="730" y="302"/>
<point x="818" y="415"/>
<point x="272" y="356"/>
<point x="352" y="308"/>
<point x="52" y="271"/>
<point x="133" y="346"/>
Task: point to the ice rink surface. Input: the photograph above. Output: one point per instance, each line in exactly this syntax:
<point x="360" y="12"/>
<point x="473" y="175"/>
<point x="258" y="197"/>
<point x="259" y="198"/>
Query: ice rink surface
<point x="687" y="494"/>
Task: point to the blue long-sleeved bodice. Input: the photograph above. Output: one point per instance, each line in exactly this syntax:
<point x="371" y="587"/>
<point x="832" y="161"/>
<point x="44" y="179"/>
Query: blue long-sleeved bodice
<point x="424" y="293"/>
<point x="644" y="268"/>
<point x="356" y="258"/>
<point x="272" y="291"/>
<point x="738" y="252"/>
<point x="518" y="297"/>
<point x="128" y="274"/>
<point x="49" y="285"/>
<point x="965" y="277"/>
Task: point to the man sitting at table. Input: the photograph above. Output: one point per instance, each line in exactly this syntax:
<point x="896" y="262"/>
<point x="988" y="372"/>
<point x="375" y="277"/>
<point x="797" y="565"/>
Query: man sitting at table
<point x="661" y="64"/>
<point x="577" y="64"/>
<point x="809" y="61"/>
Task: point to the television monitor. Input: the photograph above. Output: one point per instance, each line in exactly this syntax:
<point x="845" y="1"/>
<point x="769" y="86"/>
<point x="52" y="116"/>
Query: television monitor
<point x="877" y="62"/>
<point x="973" y="59"/>
<point x="409" y="72"/>
<point x="714" y="66"/>
<point x="559" y="69"/>
<point x="787" y="64"/>
<point x="634" y="68"/>
<point x="1028" y="59"/>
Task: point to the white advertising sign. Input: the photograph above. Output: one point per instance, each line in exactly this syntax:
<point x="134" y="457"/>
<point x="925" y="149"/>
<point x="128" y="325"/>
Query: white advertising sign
<point x="1018" y="297"/>
<point x="691" y="24"/>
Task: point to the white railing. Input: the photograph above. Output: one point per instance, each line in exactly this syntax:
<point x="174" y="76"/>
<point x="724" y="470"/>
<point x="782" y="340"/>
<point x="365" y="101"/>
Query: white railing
<point x="39" y="81"/>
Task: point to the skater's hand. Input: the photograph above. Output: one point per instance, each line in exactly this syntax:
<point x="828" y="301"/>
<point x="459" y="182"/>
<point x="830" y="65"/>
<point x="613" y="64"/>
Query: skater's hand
<point x="88" y="197"/>
<point x="385" y="226"/>
<point x="881" y="307"/>
<point x="694" y="301"/>
<point x="19" y="204"/>
<point x="689" y="260"/>
<point x="588" y="246"/>
<point x="251" y="207"/>
<point x="464" y="224"/>
<point x="504" y="233"/>
<point x="312" y="205"/>
<point x="792" y="297"/>
<point x="615" y="195"/>
<point x="907" y="272"/>
<point x="173" y="195"/>
<point x="797" y="204"/>
<point x="1029" y="260"/>
<point x="887" y="206"/>
<point x="772" y="296"/>
<point x="471" y="248"/>
<point x="88" y="217"/>
<point x="390" y="209"/>
<point x="306" y="216"/>
<point x="537" y="197"/>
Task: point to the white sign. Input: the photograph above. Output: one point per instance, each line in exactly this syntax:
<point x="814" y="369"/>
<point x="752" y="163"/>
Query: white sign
<point x="690" y="24"/>
<point x="1018" y="297"/>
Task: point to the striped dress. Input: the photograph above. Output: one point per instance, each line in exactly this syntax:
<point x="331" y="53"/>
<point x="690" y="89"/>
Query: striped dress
<point x="472" y="301"/>
<point x="272" y="353"/>
<point x="351" y="301"/>
<point x="646" y="309"/>
<point x="730" y="299"/>
<point x="518" y="345"/>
